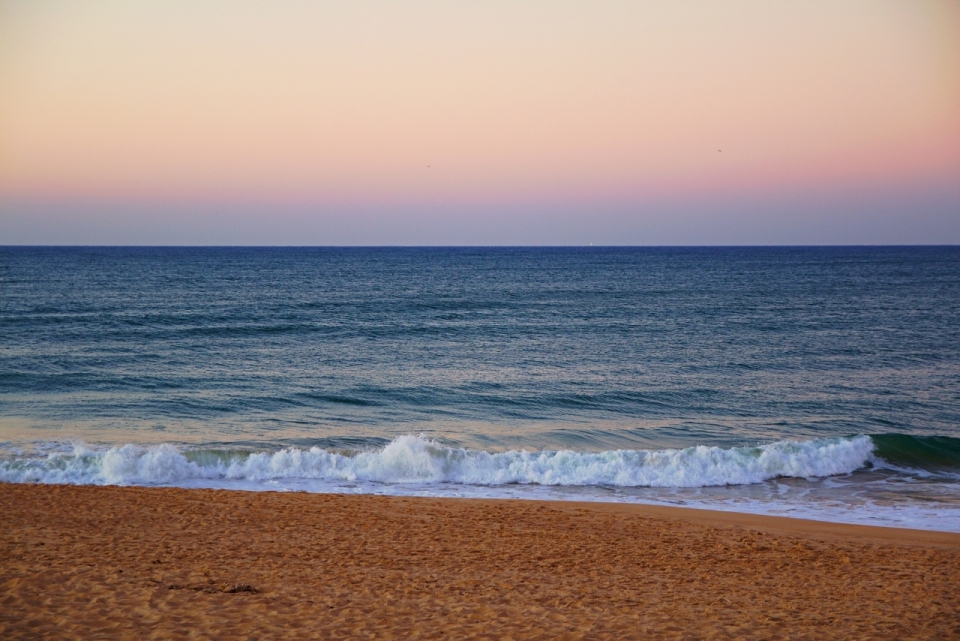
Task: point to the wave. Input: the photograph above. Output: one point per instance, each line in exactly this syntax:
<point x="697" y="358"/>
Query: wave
<point x="415" y="459"/>
<point x="931" y="453"/>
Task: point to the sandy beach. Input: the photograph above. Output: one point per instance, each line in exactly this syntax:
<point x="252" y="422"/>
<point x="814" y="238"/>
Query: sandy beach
<point x="110" y="562"/>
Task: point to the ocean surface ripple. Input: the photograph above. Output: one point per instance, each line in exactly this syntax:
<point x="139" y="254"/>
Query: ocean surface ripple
<point x="818" y="382"/>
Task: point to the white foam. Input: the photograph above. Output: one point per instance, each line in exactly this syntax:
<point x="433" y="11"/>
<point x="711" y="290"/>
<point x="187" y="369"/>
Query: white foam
<point x="415" y="466"/>
<point x="414" y="459"/>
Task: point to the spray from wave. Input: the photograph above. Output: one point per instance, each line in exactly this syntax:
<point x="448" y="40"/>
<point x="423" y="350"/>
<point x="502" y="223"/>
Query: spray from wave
<point x="415" y="459"/>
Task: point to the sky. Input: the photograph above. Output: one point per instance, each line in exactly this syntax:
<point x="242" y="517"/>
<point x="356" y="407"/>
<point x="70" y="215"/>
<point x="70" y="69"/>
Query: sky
<point x="730" y="122"/>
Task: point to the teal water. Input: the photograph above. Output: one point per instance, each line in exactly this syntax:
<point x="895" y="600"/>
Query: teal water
<point x="821" y="382"/>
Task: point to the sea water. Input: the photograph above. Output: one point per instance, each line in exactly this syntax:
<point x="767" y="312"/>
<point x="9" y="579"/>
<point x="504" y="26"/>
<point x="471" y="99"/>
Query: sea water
<point x="814" y="382"/>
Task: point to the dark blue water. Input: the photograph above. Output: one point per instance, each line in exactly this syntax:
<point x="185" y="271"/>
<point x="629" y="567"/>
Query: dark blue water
<point x="224" y="351"/>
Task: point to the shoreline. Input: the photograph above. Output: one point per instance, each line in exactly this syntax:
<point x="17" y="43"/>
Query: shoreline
<point x="773" y="523"/>
<point x="806" y="515"/>
<point x="81" y="561"/>
<point x="727" y="480"/>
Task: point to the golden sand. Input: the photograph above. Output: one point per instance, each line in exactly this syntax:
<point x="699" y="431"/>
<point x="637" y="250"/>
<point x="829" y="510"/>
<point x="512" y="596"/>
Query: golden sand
<point x="107" y="562"/>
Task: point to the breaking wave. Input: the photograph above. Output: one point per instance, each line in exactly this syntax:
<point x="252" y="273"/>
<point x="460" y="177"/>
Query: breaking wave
<point x="415" y="459"/>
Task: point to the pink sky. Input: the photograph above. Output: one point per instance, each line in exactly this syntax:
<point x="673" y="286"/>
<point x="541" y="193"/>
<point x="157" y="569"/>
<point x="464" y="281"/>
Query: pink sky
<point x="506" y="122"/>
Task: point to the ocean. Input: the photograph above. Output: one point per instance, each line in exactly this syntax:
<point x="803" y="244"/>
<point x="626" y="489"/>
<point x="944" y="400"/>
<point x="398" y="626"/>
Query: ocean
<point x="812" y="382"/>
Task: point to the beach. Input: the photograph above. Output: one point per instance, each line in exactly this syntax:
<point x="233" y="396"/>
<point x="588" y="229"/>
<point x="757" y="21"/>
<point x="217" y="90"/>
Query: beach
<point x="447" y="320"/>
<point x="132" y="562"/>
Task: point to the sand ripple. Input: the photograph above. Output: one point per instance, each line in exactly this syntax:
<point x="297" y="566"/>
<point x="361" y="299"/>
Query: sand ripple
<point x="84" y="562"/>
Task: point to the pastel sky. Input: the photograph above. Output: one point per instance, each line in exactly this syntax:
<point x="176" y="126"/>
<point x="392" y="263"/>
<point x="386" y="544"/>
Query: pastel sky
<point x="494" y="122"/>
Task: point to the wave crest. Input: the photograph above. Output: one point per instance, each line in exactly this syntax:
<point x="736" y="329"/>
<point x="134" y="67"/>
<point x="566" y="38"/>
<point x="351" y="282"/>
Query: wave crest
<point x="415" y="459"/>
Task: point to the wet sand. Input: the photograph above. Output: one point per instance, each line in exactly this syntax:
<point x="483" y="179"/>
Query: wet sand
<point x="107" y="562"/>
